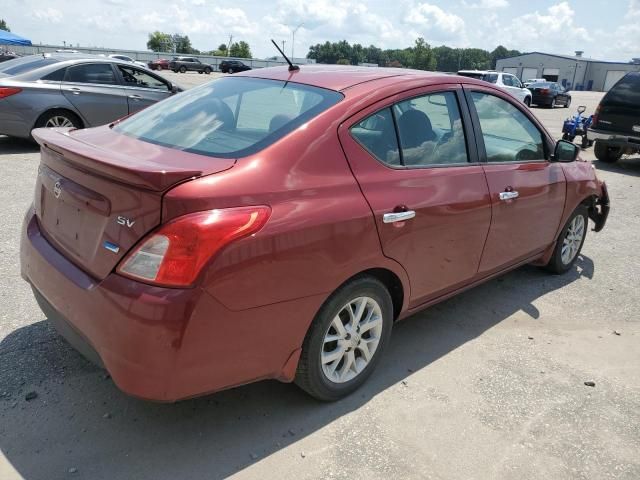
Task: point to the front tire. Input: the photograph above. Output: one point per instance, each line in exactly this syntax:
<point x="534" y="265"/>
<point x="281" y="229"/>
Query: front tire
<point x="607" y="154"/>
<point x="567" y="103"/>
<point x="570" y="241"/>
<point x="183" y="69"/>
<point x="346" y="340"/>
<point x="207" y="70"/>
<point x="527" y="101"/>
<point x="230" y="70"/>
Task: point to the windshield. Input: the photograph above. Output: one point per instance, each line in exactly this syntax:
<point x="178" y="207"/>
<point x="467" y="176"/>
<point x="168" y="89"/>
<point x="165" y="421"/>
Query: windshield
<point x="24" y="64"/>
<point x="229" y="117"/>
<point x="626" y="92"/>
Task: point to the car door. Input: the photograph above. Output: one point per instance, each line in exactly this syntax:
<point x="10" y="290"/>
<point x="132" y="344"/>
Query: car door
<point x="527" y="191"/>
<point x="414" y="157"/>
<point x="95" y="91"/>
<point x="142" y="88"/>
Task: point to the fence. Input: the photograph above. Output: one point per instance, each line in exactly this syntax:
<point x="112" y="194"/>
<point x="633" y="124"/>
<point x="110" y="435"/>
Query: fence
<point x="143" y="56"/>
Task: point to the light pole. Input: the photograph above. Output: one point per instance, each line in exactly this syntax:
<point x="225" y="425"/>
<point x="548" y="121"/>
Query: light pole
<point x="293" y="38"/>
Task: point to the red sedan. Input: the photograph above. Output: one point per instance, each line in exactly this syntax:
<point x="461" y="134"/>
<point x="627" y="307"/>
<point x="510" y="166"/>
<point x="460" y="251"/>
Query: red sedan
<point x="159" y="64"/>
<point x="276" y="224"/>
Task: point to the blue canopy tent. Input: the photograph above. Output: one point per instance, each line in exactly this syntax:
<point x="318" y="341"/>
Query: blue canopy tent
<point x="8" y="38"/>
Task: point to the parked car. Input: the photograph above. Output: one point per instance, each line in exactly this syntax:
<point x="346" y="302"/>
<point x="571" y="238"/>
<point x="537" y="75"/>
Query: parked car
<point x="277" y="227"/>
<point x="526" y="83"/>
<point x="186" y="64"/>
<point x="4" y="56"/>
<point x="508" y="82"/>
<point x="549" y="94"/>
<point x="159" y="64"/>
<point x="616" y="122"/>
<point x="124" y="58"/>
<point x="233" y="66"/>
<point x="71" y="90"/>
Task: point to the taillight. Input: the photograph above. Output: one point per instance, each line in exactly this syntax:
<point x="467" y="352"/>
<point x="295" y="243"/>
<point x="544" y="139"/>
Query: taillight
<point x="594" y="119"/>
<point x="544" y="91"/>
<point x="174" y="254"/>
<point x="8" y="91"/>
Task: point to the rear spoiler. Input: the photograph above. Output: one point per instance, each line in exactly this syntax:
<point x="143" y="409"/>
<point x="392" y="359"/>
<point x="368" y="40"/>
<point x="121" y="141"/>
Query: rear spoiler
<point x="138" y="172"/>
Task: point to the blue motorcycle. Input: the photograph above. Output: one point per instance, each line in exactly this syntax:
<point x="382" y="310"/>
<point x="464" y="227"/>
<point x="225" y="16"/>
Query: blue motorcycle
<point x="577" y="126"/>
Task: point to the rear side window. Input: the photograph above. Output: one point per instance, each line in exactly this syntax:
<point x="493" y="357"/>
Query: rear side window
<point x="626" y="92"/>
<point x="229" y="117"/>
<point x="100" y="73"/>
<point x="134" y="77"/>
<point x="56" y="76"/>
<point x="429" y="132"/>
<point x="508" y="80"/>
<point x="509" y="136"/>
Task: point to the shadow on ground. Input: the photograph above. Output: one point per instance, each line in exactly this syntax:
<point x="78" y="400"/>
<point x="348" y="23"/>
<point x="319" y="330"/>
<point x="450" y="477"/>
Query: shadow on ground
<point x="627" y="165"/>
<point x="81" y="421"/>
<point x="16" y="145"/>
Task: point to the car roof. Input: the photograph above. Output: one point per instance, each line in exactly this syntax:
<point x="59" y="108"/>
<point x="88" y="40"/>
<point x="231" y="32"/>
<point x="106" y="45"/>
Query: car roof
<point x="341" y="77"/>
<point x="480" y="71"/>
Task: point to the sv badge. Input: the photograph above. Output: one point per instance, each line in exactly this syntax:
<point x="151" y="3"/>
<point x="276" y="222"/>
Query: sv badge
<point x="125" y="222"/>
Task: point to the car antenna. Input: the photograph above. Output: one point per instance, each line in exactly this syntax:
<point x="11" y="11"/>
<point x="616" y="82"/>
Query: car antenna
<point x="292" y="67"/>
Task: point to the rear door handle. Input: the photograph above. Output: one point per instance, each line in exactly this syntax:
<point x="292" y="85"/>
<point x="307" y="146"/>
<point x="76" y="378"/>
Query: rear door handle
<point x="398" y="216"/>
<point x="75" y="90"/>
<point x="135" y="97"/>
<point x="508" y="195"/>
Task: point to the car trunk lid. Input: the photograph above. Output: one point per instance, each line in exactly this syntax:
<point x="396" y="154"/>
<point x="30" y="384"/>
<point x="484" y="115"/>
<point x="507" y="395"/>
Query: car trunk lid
<point x="99" y="192"/>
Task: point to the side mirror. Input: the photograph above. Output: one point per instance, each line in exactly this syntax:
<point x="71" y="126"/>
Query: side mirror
<point x="565" y="152"/>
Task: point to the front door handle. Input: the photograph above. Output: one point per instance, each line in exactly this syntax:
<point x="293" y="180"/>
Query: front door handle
<point x="398" y="216"/>
<point x="508" y="195"/>
<point x="135" y="97"/>
<point x="75" y="90"/>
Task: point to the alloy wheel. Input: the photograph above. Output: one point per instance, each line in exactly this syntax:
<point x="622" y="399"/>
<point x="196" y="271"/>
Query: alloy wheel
<point x="58" y="121"/>
<point x="351" y="340"/>
<point x="572" y="239"/>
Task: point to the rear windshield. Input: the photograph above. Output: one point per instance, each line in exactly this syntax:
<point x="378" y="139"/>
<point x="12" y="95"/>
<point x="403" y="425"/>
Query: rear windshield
<point x="626" y="92"/>
<point x="229" y="117"/>
<point x="24" y="64"/>
<point x="487" y="77"/>
<point x="541" y="85"/>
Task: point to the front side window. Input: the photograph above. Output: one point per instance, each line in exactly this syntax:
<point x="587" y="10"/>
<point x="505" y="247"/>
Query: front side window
<point x="134" y="77"/>
<point x="229" y="117"/>
<point x="509" y="135"/>
<point x="100" y="73"/>
<point x="429" y="132"/>
<point x="506" y="80"/>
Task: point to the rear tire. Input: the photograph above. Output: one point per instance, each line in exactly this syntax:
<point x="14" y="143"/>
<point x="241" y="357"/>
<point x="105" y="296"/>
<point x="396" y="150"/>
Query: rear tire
<point x="553" y="103"/>
<point x="585" y="142"/>
<point x="350" y="331"/>
<point x="570" y="241"/>
<point x="59" y="118"/>
<point x="567" y="103"/>
<point x="607" y="154"/>
<point x="230" y="70"/>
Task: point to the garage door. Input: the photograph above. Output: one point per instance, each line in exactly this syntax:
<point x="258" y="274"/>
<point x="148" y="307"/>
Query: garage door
<point x="511" y="70"/>
<point x="612" y="78"/>
<point x="551" y="74"/>
<point x="528" y="73"/>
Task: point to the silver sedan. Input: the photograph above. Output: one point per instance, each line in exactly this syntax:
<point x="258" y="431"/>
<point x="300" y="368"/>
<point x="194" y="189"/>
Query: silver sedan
<point x="65" y="90"/>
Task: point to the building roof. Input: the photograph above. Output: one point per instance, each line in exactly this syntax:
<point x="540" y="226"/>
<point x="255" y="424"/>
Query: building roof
<point x="567" y="57"/>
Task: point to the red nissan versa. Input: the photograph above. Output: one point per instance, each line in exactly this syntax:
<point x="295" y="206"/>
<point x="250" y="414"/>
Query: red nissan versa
<point x="275" y="224"/>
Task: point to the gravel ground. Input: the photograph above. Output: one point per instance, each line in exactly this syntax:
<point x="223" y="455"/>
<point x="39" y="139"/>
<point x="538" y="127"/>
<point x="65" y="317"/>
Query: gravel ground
<point x="488" y="385"/>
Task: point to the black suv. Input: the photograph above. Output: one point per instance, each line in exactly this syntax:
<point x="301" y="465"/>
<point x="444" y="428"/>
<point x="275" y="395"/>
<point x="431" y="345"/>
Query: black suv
<point x="231" y="66"/>
<point x="184" y="64"/>
<point x="616" y="123"/>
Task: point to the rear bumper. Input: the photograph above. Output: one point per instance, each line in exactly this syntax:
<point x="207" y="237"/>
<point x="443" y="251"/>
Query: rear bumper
<point x="157" y="343"/>
<point x="615" y="139"/>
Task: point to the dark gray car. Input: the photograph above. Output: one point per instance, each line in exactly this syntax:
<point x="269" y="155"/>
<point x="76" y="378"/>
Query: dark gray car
<point x="63" y="90"/>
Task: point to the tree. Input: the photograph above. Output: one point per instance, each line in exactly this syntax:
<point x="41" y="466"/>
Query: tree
<point x="160" y="42"/>
<point x="4" y="26"/>
<point x="182" y="44"/>
<point x="222" y="47"/>
<point x="240" y="50"/>
<point x="501" y="52"/>
<point x="422" y="57"/>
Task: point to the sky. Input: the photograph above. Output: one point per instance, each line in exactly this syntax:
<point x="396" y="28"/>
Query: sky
<point x="604" y="29"/>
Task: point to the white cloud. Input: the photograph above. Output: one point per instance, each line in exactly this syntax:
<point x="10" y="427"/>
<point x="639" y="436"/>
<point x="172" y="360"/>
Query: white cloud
<point x="49" y="15"/>
<point x="489" y="4"/>
<point x="436" y="23"/>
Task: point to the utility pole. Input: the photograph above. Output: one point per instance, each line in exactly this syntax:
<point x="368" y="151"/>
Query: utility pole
<point x="283" y="42"/>
<point x="229" y="47"/>
<point x="293" y="39"/>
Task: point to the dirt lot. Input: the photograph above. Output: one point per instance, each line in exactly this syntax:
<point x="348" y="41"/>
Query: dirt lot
<point x="488" y="385"/>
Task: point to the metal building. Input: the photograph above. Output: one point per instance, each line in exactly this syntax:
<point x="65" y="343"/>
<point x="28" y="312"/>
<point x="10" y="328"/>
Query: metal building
<point x="573" y="72"/>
